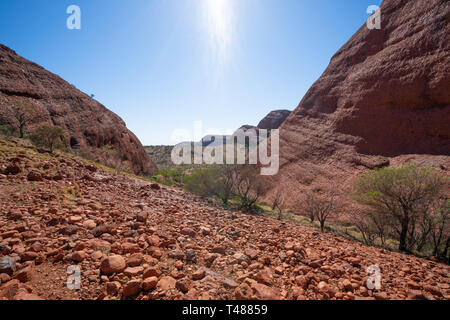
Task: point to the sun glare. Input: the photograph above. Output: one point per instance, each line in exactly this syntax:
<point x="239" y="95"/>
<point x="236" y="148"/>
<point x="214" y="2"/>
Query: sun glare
<point x="218" y="16"/>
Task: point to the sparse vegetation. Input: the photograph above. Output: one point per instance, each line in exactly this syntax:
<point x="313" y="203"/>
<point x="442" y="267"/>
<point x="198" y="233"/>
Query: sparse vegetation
<point x="23" y="111"/>
<point x="6" y="131"/>
<point x="406" y="204"/>
<point x="238" y="182"/>
<point x="320" y="206"/>
<point x="214" y="181"/>
<point x="278" y="203"/>
<point x="48" y="137"/>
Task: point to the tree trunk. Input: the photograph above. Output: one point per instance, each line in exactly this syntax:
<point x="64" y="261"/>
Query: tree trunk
<point x="403" y="235"/>
<point x="445" y="252"/>
<point x="322" y="225"/>
<point x="21" y="130"/>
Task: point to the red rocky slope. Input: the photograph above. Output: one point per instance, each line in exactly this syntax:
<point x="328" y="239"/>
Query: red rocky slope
<point x="88" y="125"/>
<point x="135" y="240"/>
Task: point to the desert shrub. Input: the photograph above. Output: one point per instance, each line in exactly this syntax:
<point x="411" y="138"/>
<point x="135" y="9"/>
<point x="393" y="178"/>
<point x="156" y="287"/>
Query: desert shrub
<point x="6" y="131"/>
<point x="170" y="177"/>
<point x="23" y="111"/>
<point x="319" y="205"/>
<point x="248" y="186"/>
<point x="440" y="231"/>
<point x="211" y="181"/>
<point x="48" y="137"/>
<point x="110" y="154"/>
<point x="403" y="203"/>
<point x="373" y="225"/>
<point x="278" y="203"/>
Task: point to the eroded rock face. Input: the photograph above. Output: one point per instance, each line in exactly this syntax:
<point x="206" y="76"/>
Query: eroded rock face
<point x="384" y="94"/>
<point x="274" y="119"/>
<point x="88" y="125"/>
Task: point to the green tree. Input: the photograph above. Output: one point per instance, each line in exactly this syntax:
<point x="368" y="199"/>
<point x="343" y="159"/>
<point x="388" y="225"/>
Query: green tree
<point x="47" y="136"/>
<point x="212" y="181"/>
<point x="23" y="111"/>
<point x="404" y="196"/>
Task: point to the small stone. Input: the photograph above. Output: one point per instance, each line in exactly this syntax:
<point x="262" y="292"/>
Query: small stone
<point x="347" y="285"/>
<point x="75" y="219"/>
<point x="89" y="224"/>
<point x="152" y="272"/>
<point x="188" y="232"/>
<point x="302" y="282"/>
<point x="112" y="288"/>
<point x="220" y="249"/>
<point x="13" y="169"/>
<point x="133" y="271"/>
<point x="7" y="265"/>
<point x="34" y="176"/>
<point x="135" y="260"/>
<point x="142" y="216"/>
<point x="27" y="296"/>
<point x="4" y="277"/>
<point x="184" y="285"/>
<point x="78" y="256"/>
<point x="176" y="254"/>
<point x="166" y="283"/>
<point x="9" y="289"/>
<point x="263" y="292"/>
<point x="69" y="230"/>
<point x="150" y="283"/>
<point x="191" y="255"/>
<point x="179" y="264"/>
<point x="199" y="274"/>
<point x="113" y="264"/>
<point x="251" y="253"/>
<point x="25" y="274"/>
<point x="132" y="288"/>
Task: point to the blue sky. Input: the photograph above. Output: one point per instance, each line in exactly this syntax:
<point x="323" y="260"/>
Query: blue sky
<point x="163" y="64"/>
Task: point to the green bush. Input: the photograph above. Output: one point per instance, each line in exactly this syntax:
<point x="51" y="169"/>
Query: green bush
<point x="211" y="181"/>
<point x="405" y="203"/>
<point x="48" y="137"/>
<point x="7" y="132"/>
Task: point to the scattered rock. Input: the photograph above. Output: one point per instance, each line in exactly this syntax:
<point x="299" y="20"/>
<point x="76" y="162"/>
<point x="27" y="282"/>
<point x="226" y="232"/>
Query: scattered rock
<point x="113" y="264"/>
<point x="34" y="176"/>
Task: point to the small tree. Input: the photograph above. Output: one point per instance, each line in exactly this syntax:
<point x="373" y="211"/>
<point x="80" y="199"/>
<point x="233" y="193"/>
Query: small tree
<point x="320" y="206"/>
<point x="110" y="153"/>
<point x="249" y="186"/>
<point x="278" y="203"/>
<point x="402" y="195"/>
<point x="22" y="114"/>
<point x="212" y="181"/>
<point x="48" y="137"/>
<point x="440" y="233"/>
<point x="372" y="224"/>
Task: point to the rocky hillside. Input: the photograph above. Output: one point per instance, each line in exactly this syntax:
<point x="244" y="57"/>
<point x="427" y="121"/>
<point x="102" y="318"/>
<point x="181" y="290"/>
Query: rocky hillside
<point x="132" y="239"/>
<point x="384" y="95"/>
<point x="88" y="125"/>
<point x="160" y="155"/>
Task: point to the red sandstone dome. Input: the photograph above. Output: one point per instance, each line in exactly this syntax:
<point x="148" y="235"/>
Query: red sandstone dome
<point x="385" y="94"/>
<point x="88" y="125"/>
